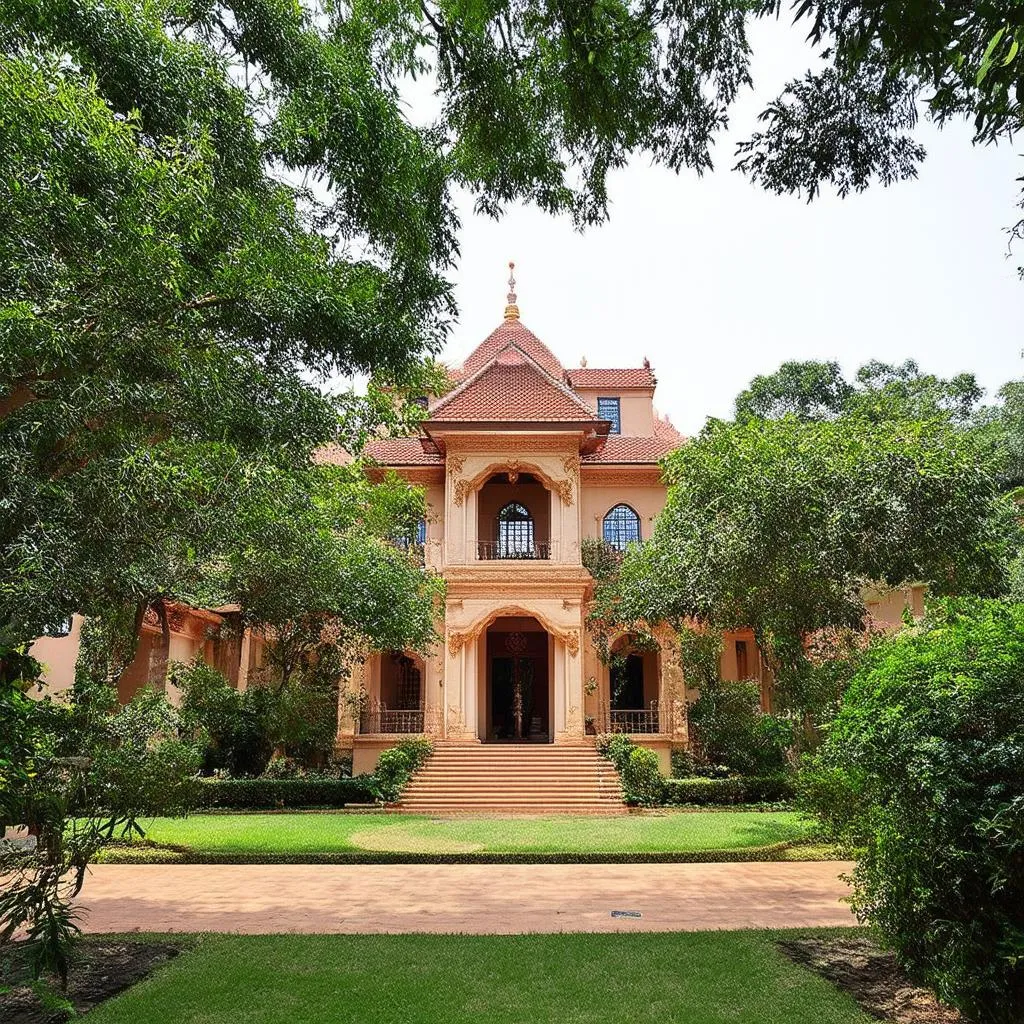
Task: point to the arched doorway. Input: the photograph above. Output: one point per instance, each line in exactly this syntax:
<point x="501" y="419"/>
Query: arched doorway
<point x="399" y="708"/>
<point x="518" y="695"/>
<point x="513" y="518"/>
<point x="633" y="685"/>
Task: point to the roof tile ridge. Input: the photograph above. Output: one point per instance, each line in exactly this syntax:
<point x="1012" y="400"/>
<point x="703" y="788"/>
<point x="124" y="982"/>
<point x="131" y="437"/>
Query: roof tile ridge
<point x="560" y="384"/>
<point x="459" y="388"/>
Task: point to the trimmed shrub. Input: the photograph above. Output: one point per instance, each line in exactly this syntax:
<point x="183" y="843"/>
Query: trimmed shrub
<point x="736" y="790"/>
<point x="270" y="794"/>
<point x="642" y="781"/>
<point x="923" y="770"/>
<point x="397" y="765"/>
<point x="639" y="772"/>
<point x="616" y="748"/>
<point x="732" y="730"/>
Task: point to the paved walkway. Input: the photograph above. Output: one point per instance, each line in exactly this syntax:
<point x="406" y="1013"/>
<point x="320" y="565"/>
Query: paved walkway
<point x="469" y="898"/>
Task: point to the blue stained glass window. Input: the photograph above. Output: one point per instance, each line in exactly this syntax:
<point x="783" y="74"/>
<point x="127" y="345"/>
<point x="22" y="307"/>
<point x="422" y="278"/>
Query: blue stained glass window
<point x="621" y="527"/>
<point x="608" y="409"/>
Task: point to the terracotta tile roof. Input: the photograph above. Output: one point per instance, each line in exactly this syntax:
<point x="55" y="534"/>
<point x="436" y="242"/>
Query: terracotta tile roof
<point x="332" y="455"/>
<point x="401" y="451"/>
<point x="585" y="377"/>
<point x="621" y="448"/>
<point x="511" y="332"/>
<point x="511" y="386"/>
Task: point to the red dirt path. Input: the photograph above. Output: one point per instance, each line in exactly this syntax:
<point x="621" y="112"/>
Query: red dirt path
<point x="468" y="898"/>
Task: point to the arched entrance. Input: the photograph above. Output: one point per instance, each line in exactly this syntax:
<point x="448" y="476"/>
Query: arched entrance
<point x="633" y="684"/>
<point x="397" y="706"/>
<point x="513" y="518"/>
<point x="518" y="693"/>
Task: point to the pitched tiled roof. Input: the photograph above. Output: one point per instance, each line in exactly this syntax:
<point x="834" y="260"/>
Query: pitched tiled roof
<point x="585" y="377"/>
<point x="513" y="387"/>
<point x="401" y="451"/>
<point x="511" y="332"/>
<point x="620" y="448"/>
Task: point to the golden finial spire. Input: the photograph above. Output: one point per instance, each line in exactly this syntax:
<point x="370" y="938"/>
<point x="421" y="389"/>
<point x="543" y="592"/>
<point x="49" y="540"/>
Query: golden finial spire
<point x="511" y="310"/>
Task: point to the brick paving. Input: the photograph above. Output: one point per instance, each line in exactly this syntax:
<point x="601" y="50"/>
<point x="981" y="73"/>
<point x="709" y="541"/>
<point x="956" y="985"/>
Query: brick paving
<point x="468" y="898"/>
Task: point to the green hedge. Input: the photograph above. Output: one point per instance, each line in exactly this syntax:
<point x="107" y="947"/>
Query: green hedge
<point x="745" y="790"/>
<point x="176" y="855"/>
<point x="269" y="794"/>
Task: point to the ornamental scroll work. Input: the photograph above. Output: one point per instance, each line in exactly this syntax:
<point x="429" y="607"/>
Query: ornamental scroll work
<point x="463" y="487"/>
<point x="571" y="639"/>
<point x="456" y="641"/>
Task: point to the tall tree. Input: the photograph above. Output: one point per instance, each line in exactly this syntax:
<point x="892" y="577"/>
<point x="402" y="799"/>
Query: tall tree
<point x="815" y="390"/>
<point x="778" y="525"/>
<point x="168" y="283"/>
<point x="851" y="120"/>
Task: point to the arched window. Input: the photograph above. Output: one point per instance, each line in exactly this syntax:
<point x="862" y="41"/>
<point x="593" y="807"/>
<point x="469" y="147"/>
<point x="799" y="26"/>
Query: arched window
<point x="621" y="527"/>
<point x="515" y="532"/>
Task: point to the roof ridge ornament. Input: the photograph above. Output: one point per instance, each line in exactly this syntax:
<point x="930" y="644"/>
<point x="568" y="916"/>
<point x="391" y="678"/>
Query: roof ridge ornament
<point x="511" y="310"/>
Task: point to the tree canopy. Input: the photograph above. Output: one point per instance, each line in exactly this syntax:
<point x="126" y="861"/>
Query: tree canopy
<point x="779" y="525"/>
<point x="922" y="772"/>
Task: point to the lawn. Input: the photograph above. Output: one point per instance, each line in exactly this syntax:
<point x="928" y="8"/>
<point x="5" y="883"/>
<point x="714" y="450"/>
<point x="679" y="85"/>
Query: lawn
<point x="295" y="834"/>
<point x="692" y="978"/>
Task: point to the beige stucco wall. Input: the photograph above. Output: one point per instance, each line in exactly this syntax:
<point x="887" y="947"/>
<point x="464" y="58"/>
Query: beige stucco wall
<point x="636" y="408"/>
<point x="597" y="500"/>
<point x="57" y="655"/>
<point x="887" y="608"/>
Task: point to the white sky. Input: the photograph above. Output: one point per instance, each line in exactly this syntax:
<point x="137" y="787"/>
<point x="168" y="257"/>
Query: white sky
<point x="715" y="280"/>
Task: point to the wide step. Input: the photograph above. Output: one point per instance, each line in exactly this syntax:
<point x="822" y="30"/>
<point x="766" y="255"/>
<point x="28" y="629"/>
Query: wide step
<point x="528" y="779"/>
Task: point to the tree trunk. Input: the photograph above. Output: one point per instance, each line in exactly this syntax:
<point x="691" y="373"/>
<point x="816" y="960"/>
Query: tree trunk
<point x="158" y="670"/>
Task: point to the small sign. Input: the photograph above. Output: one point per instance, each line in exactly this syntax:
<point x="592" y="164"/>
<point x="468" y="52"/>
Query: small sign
<point x="626" y="913"/>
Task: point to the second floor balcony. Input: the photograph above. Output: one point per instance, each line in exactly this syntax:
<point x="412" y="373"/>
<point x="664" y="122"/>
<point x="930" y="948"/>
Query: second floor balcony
<point x="509" y="549"/>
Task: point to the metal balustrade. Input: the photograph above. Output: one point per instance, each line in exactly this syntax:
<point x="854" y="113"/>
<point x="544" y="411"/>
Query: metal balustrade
<point x="632" y="721"/>
<point x="387" y="721"/>
<point x="490" y="551"/>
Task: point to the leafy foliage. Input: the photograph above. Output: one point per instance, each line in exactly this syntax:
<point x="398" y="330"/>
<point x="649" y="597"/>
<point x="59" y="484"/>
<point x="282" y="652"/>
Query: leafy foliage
<point x="732" y="730"/>
<point x="234" y="727"/>
<point x="777" y="525"/>
<point x="851" y="121"/>
<point x="638" y="768"/>
<point x="923" y="770"/>
<point x="397" y="765"/>
<point x="96" y="772"/>
<point x="772" y="789"/>
<point x="814" y="390"/>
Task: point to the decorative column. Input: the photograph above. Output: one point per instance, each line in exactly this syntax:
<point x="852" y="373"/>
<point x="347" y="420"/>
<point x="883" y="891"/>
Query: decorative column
<point x="671" y="688"/>
<point x="569" y="687"/>
<point x="461" y="652"/>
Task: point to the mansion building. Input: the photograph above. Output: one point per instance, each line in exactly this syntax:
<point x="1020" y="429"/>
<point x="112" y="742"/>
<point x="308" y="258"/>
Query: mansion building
<point x="523" y="461"/>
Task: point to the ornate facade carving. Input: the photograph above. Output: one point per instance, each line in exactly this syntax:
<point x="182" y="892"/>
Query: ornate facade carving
<point x="571" y="639"/>
<point x="571" y="463"/>
<point x="462" y="491"/>
<point x="564" y="491"/>
<point x="455" y="464"/>
<point x="456" y="723"/>
<point x="573" y="719"/>
<point x="456" y="641"/>
<point x="642" y="476"/>
<point x="484" y="443"/>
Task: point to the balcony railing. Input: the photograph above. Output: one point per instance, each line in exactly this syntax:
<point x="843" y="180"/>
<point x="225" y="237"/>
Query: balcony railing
<point x="632" y="721"/>
<point x="490" y="551"/>
<point x="385" y="721"/>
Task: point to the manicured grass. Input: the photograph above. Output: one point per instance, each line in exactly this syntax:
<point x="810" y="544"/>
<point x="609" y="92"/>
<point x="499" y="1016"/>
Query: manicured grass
<point x="340" y="833"/>
<point x="693" y="978"/>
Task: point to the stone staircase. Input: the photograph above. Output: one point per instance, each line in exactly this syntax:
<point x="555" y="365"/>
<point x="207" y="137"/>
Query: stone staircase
<point x="520" y="778"/>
